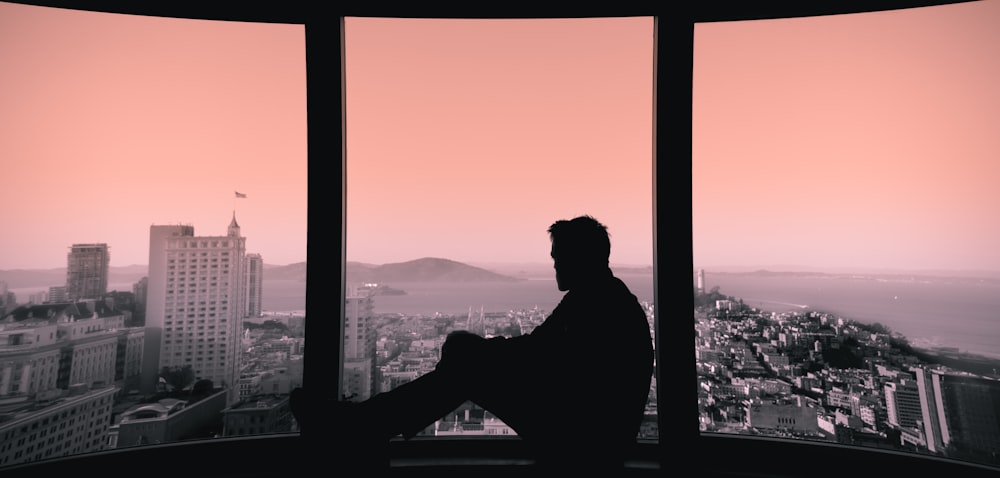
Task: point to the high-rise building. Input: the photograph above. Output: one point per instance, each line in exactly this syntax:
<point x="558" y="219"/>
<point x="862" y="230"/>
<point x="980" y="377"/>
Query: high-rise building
<point x="962" y="412"/>
<point x="254" y="271"/>
<point x="902" y="401"/>
<point x="359" y="337"/>
<point x="87" y="271"/>
<point x="196" y="302"/>
<point x="156" y="297"/>
<point x="7" y="298"/>
<point x="929" y="410"/>
<point x="57" y="293"/>
<point x="360" y="343"/>
<point x="139" y="291"/>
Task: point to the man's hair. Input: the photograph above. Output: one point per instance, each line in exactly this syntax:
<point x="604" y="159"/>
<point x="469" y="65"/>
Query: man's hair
<point x="583" y="239"/>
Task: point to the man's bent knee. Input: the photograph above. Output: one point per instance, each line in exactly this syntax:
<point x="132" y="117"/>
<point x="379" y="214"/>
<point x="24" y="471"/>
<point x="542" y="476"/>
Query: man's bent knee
<point x="460" y="347"/>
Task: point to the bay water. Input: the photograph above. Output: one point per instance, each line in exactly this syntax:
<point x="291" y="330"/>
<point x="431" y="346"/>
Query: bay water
<point x="962" y="313"/>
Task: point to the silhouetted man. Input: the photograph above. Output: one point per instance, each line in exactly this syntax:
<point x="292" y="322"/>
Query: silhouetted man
<point x="574" y="388"/>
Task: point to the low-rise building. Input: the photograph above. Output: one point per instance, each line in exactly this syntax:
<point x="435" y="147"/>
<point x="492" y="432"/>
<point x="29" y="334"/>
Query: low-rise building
<point x="168" y="420"/>
<point x="66" y="422"/>
<point x="257" y="415"/>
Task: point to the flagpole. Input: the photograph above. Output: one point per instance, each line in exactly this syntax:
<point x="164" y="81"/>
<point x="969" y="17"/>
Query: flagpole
<point x="238" y="195"/>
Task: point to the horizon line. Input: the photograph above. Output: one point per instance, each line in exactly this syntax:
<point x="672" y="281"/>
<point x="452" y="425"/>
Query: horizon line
<point x="715" y="268"/>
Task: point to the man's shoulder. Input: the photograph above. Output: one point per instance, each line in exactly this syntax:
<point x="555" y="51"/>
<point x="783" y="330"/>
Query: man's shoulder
<point x="619" y="287"/>
<point x="612" y="292"/>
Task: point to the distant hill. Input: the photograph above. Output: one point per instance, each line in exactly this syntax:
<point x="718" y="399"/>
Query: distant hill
<point x="969" y="277"/>
<point x="624" y="270"/>
<point x="20" y="278"/>
<point x="428" y="269"/>
<point x="44" y="278"/>
<point x="295" y="271"/>
<point x="544" y="270"/>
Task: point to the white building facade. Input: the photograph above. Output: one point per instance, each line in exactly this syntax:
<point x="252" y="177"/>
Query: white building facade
<point x="196" y="301"/>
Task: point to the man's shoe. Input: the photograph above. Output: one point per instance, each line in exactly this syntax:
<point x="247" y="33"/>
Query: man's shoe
<point x="304" y="408"/>
<point x="353" y="433"/>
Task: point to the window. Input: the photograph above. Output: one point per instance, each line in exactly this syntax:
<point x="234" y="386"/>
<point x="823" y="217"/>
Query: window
<point x="671" y="106"/>
<point x="841" y="168"/>
<point x="468" y="138"/>
<point x="187" y="82"/>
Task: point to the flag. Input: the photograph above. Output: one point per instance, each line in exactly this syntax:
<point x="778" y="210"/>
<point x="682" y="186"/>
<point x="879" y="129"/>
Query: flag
<point x="240" y="195"/>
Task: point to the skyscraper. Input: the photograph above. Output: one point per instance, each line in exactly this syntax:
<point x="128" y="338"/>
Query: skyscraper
<point x="902" y="401"/>
<point x="156" y="296"/>
<point x="254" y="271"/>
<point x="196" y="304"/>
<point x="87" y="271"/>
<point x="962" y="413"/>
<point x="360" y="340"/>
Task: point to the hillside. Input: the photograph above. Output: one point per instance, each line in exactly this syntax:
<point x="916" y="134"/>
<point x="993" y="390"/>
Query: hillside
<point x="43" y="278"/>
<point x="428" y="269"/>
<point x="295" y="271"/>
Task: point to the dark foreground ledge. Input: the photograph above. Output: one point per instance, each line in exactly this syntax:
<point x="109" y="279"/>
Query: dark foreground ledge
<point x="290" y="455"/>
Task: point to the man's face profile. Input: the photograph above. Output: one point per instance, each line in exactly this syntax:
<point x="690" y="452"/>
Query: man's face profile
<point x="563" y="268"/>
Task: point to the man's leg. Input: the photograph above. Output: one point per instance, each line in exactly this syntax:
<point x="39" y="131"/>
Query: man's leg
<point x="471" y="368"/>
<point x="496" y="377"/>
<point x="411" y="407"/>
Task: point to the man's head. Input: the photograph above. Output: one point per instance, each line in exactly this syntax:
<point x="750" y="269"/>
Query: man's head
<point x="580" y="250"/>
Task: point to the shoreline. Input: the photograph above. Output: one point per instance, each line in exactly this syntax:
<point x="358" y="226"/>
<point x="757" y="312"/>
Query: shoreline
<point x="962" y="361"/>
<point x="951" y="357"/>
<point x="937" y="314"/>
<point x="951" y="353"/>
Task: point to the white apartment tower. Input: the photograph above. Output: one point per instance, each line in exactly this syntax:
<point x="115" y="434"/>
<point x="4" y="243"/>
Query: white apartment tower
<point x="156" y="298"/>
<point x="196" y="303"/>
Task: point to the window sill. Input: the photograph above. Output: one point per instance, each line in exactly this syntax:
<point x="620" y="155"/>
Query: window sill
<point x="285" y="455"/>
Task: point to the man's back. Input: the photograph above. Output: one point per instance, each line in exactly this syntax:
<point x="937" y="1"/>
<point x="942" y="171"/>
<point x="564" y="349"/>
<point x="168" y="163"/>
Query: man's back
<point x="592" y="362"/>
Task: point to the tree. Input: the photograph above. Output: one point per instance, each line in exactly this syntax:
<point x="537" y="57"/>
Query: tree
<point x="269" y="325"/>
<point x="202" y="387"/>
<point x="178" y="378"/>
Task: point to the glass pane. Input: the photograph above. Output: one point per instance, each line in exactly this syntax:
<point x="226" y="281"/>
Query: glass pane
<point x="466" y="139"/>
<point x="153" y="275"/>
<point x="847" y="281"/>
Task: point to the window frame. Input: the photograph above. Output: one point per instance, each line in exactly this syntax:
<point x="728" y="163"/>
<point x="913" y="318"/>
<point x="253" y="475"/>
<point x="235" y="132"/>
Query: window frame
<point x="320" y="39"/>
<point x="673" y="54"/>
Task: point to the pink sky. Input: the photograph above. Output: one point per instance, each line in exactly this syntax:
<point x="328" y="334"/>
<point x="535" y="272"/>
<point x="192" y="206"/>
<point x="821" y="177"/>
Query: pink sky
<point x="853" y="141"/>
<point x="111" y="123"/>
<point x="466" y="139"/>
<point x="849" y="141"/>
